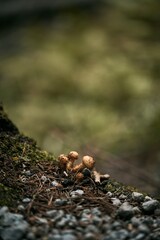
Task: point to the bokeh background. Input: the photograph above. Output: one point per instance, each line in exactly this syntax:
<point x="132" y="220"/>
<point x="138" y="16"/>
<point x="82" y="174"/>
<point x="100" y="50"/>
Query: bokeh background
<point x="84" y="75"/>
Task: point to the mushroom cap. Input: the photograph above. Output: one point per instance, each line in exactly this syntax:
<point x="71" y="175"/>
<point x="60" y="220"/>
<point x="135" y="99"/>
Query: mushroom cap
<point x="88" y="161"/>
<point x="63" y="158"/>
<point x="73" y="155"/>
<point x="79" y="176"/>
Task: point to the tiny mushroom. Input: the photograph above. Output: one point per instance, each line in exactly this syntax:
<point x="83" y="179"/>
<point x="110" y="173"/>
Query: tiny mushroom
<point x="98" y="176"/>
<point x="87" y="162"/>
<point x="63" y="160"/>
<point x="79" y="176"/>
<point x="72" y="156"/>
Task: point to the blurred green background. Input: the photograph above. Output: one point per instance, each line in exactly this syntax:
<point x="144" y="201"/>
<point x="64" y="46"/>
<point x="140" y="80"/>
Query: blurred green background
<point x="87" y="79"/>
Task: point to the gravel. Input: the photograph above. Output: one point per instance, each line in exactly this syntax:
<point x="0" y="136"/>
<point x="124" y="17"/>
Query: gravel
<point x="136" y="217"/>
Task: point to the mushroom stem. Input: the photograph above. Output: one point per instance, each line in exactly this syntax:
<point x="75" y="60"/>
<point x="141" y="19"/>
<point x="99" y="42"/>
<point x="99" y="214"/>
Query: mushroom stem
<point x="98" y="176"/>
<point x="78" y="167"/>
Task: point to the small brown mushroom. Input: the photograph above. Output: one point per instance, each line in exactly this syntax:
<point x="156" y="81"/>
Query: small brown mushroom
<point x="87" y="162"/>
<point x="63" y="160"/>
<point x="79" y="176"/>
<point x="72" y="156"/>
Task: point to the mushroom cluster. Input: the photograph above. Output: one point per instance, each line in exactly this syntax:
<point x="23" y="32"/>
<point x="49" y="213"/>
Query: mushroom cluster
<point x="81" y="170"/>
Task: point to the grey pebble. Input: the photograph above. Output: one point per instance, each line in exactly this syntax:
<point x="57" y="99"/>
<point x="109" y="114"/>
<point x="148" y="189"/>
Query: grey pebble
<point x="30" y="236"/>
<point x="122" y="197"/>
<point x="54" y="237"/>
<point x="116" y="225"/>
<point x="17" y="231"/>
<point x="136" y="210"/>
<point x="60" y="202"/>
<point x="125" y="211"/>
<point x="150" y="206"/>
<point x="137" y="196"/>
<point x="90" y="236"/>
<point x="26" y="200"/>
<point x="116" y="202"/>
<point x="91" y="228"/>
<point x="147" y="198"/>
<point x="117" y="235"/>
<point x="135" y="221"/>
<point x="109" y="194"/>
<point x="3" y="210"/>
<point x="10" y="219"/>
<point x="69" y="237"/>
<point x="140" y="236"/>
<point x="21" y="208"/>
<point x="143" y="228"/>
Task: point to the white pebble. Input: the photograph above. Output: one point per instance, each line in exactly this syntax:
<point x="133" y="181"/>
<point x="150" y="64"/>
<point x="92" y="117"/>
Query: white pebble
<point x="26" y="200"/>
<point x="54" y="183"/>
<point x="109" y="194"/>
<point x="137" y="196"/>
<point x="116" y="202"/>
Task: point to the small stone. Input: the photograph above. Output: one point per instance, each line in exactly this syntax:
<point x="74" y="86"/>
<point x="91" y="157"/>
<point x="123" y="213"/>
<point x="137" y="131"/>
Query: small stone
<point x="140" y="236"/>
<point x="137" y="196"/>
<point x="91" y="228"/>
<point x="150" y="206"/>
<point x="96" y="211"/>
<point x="121" y="234"/>
<point x="147" y="198"/>
<point x="116" y="202"/>
<point x="84" y="221"/>
<point x="143" y="228"/>
<point x="30" y="236"/>
<point x="125" y="211"/>
<point x="157" y="212"/>
<point x="55" y="237"/>
<point x="26" y="200"/>
<point x="77" y="192"/>
<point x="16" y="231"/>
<point x="116" y="225"/>
<point x="3" y="210"/>
<point x="106" y="218"/>
<point x="96" y="220"/>
<point x="51" y="213"/>
<point x="60" y="202"/>
<point x="109" y="194"/>
<point x="21" y="208"/>
<point x="135" y="222"/>
<point x="86" y="211"/>
<point x="136" y="210"/>
<point x="69" y="237"/>
<point x="122" y="197"/>
<point x="54" y="183"/>
<point x="62" y="223"/>
<point x="10" y="219"/>
<point x="90" y="236"/>
<point x="41" y="220"/>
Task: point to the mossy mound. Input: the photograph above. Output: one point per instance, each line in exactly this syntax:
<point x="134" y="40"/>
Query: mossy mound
<point x="15" y="148"/>
<point x="23" y="165"/>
